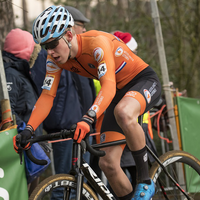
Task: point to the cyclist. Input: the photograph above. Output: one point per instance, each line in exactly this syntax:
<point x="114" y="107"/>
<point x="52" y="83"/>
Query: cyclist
<point x="129" y="87"/>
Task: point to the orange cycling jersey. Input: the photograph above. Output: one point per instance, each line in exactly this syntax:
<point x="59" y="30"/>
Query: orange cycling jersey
<point x="100" y="56"/>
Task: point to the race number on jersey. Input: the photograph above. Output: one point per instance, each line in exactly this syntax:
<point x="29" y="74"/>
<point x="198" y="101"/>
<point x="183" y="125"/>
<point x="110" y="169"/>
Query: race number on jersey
<point x="102" y="70"/>
<point x="48" y="82"/>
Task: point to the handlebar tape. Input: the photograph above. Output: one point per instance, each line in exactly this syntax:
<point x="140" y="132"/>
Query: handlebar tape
<point x="35" y="160"/>
<point x="93" y="151"/>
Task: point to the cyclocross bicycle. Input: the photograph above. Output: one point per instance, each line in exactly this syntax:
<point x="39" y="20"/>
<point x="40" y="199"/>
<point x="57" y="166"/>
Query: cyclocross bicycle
<point x="163" y="172"/>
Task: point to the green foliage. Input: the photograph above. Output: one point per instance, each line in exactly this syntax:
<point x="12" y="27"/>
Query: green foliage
<point x="180" y="22"/>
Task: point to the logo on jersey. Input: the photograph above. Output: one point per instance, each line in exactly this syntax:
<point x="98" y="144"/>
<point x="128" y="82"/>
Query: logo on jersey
<point x="51" y="66"/>
<point x="48" y="82"/>
<point x="75" y="70"/>
<point x="102" y="137"/>
<point x="98" y="54"/>
<point x="153" y="89"/>
<point x="147" y="95"/>
<point x="95" y="108"/>
<point x="120" y="67"/>
<point x="131" y="94"/>
<point x="119" y="51"/>
<point x="91" y="65"/>
<point x="102" y="69"/>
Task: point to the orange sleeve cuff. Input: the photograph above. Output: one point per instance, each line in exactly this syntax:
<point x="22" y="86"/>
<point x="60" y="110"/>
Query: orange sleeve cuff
<point x="136" y="95"/>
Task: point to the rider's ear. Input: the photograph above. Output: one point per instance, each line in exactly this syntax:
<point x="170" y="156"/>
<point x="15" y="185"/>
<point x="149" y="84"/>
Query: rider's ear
<point x="69" y="35"/>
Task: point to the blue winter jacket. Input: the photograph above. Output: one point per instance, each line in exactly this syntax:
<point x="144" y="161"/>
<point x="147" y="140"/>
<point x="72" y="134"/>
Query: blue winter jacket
<point x="22" y="91"/>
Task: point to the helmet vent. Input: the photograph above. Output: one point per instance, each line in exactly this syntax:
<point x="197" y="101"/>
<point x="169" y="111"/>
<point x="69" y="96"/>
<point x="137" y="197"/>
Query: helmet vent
<point x="37" y="23"/>
<point x="34" y="35"/>
<point x="61" y="27"/>
<point x="58" y="18"/>
<point x="43" y="22"/>
<point x="46" y="31"/>
<point x="51" y="19"/>
<point x="42" y="14"/>
<point x="53" y="29"/>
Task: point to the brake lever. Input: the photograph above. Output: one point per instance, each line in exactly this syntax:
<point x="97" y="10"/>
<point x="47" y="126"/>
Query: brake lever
<point x="83" y="146"/>
<point x="20" y="157"/>
<point x="18" y="141"/>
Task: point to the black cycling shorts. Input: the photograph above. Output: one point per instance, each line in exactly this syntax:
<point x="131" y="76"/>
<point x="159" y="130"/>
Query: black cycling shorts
<point x="145" y="80"/>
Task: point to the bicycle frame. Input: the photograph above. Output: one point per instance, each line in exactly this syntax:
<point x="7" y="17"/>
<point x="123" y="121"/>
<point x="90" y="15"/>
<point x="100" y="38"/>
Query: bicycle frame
<point x="79" y="166"/>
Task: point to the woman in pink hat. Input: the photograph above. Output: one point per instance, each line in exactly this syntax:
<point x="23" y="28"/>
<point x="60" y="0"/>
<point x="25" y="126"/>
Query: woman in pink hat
<point x="19" y="55"/>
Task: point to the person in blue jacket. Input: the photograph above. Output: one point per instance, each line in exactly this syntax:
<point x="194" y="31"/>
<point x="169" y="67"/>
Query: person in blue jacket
<point x="19" y="54"/>
<point x="75" y="95"/>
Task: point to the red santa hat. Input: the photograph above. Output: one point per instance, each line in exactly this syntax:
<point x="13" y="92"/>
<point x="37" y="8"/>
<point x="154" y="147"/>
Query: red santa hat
<point x="127" y="39"/>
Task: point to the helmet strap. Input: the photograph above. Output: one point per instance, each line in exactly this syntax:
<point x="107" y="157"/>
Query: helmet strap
<point x="69" y="45"/>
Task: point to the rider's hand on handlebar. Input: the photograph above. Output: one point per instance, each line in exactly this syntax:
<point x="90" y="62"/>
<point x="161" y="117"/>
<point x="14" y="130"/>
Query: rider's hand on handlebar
<point x="25" y="135"/>
<point x="84" y="126"/>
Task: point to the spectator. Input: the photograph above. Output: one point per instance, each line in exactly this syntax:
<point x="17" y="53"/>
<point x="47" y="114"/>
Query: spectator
<point x="19" y="55"/>
<point x="75" y="95"/>
<point x="128" y="40"/>
<point x="79" y="19"/>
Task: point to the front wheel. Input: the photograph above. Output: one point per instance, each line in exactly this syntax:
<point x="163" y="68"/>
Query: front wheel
<point x="60" y="186"/>
<point x="191" y="176"/>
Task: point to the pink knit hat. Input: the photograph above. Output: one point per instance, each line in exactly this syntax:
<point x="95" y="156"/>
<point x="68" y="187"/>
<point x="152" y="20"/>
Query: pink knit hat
<point x="127" y="39"/>
<point x="19" y="43"/>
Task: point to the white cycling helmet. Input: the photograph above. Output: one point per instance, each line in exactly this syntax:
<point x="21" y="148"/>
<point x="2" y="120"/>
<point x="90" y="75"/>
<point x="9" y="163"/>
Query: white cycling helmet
<point x="51" y="23"/>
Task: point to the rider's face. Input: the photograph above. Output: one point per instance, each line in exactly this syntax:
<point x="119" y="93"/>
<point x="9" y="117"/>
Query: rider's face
<point x="52" y="43"/>
<point x="61" y="51"/>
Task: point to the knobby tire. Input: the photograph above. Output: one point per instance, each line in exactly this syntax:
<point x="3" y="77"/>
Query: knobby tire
<point x="44" y="189"/>
<point x="170" y="160"/>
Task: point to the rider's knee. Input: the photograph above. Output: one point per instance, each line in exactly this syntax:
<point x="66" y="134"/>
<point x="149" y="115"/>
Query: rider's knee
<point x="120" y="114"/>
<point x="124" y="116"/>
<point x="106" y="166"/>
